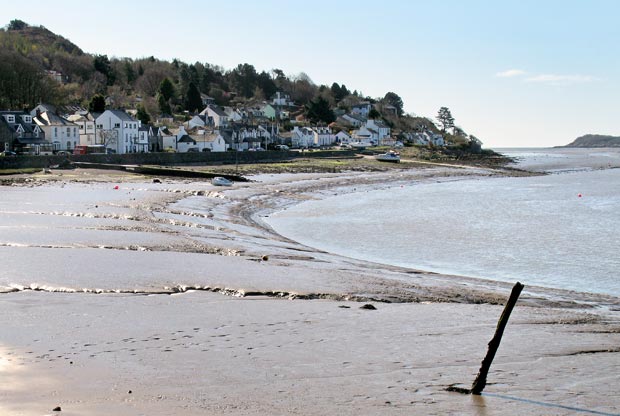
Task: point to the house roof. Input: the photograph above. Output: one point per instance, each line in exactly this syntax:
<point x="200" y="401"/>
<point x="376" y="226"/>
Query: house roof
<point x="186" y="139"/>
<point x="217" y="110"/>
<point x="122" y="115"/>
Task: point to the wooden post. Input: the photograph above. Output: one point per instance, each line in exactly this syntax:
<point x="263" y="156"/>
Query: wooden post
<point x="481" y="379"/>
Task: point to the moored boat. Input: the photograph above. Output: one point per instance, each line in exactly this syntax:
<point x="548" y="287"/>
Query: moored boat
<point x="390" y="156"/>
<point x="220" y="181"/>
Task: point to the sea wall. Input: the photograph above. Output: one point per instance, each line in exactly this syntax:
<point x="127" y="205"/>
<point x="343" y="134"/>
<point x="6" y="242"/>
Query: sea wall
<point x="165" y="159"/>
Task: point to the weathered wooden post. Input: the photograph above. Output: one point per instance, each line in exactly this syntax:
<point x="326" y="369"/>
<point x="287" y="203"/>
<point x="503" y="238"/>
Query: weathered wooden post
<point x="481" y="379"/>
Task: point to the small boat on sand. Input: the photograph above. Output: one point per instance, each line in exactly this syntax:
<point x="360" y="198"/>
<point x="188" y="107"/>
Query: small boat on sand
<point x="390" y="156"/>
<point x="220" y="181"/>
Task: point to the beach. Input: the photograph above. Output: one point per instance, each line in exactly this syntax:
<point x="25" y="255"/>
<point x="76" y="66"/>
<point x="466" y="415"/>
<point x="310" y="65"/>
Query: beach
<point x="127" y="296"/>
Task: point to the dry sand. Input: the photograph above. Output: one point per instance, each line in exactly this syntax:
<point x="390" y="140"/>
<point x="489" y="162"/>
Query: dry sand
<point x="175" y="299"/>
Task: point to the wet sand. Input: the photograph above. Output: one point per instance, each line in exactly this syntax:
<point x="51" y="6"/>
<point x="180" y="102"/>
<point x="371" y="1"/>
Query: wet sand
<point x="175" y="298"/>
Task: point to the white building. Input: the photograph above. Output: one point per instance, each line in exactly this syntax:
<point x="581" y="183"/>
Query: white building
<point x="219" y="117"/>
<point x="118" y="131"/>
<point x="361" y="109"/>
<point x="323" y="136"/>
<point x="63" y="134"/>
<point x="379" y="129"/>
<point x="302" y="137"/>
<point x="87" y="128"/>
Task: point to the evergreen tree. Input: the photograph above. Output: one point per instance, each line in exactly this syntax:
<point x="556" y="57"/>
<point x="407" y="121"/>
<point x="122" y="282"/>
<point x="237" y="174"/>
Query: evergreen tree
<point x="164" y="105"/>
<point x="142" y="115"/>
<point x="97" y="104"/>
<point x="166" y="89"/>
<point x="192" y="100"/>
<point x="445" y="119"/>
<point x="319" y="111"/>
<point x="393" y="99"/>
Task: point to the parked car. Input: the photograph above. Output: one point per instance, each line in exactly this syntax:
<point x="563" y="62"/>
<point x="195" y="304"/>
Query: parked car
<point x="7" y="153"/>
<point x="282" y="147"/>
<point x="193" y="150"/>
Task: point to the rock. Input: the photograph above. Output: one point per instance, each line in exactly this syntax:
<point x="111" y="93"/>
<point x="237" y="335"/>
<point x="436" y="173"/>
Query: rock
<point x="369" y="307"/>
<point x="156" y="180"/>
<point x="265" y="258"/>
<point x="56" y="409"/>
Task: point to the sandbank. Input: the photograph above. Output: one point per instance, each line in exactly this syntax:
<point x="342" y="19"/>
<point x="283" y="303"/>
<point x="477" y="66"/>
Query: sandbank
<point x="176" y="298"/>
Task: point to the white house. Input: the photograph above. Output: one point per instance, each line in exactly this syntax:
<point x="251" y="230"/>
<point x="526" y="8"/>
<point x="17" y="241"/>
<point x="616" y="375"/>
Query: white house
<point x="220" y="119"/>
<point x="380" y="130"/>
<point x="342" y="137"/>
<point x="362" y="109"/>
<point x="302" y="137"/>
<point x="199" y="120"/>
<point x="63" y="134"/>
<point x="282" y="100"/>
<point x="118" y="131"/>
<point x="363" y="135"/>
<point x="86" y="126"/>
<point x="323" y="136"/>
<point x="213" y="141"/>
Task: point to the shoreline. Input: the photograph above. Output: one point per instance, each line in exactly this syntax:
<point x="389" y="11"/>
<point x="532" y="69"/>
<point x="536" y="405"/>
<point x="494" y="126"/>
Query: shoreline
<point x="147" y="314"/>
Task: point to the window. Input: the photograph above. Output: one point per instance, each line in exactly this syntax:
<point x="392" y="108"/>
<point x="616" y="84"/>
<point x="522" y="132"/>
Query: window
<point x="68" y="131"/>
<point x="90" y="127"/>
<point x="55" y="131"/>
<point x="117" y="125"/>
<point x="10" y="118"/>
<point x="74" y="131"/>
<point x="27" y="119"/>
<point x="81" y="127"/>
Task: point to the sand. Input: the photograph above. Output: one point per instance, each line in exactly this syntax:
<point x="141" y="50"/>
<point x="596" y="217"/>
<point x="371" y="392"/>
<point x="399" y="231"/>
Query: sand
<point x="174" y="298"/>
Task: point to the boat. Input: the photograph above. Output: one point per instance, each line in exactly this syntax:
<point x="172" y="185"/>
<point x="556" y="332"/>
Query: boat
<point x="390" y="156"/>
<point x="221" y="181"/>
<point x="359" y="145"/>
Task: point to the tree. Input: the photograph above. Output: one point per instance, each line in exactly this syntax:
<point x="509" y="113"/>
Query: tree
<point x="17" y="24"/>
<point x="97" y="104"/>
<point x="394" y="100"/>
<point x="192" y="100"/>
<point x="102" y="64"/>
<point x="319" y="111"/>
<point x="166" y="89"/>
<point x="163" y="104"/>
<point x="445" y="119"/>
<point x="142" y="115"/>
<point x="373" y="114"/>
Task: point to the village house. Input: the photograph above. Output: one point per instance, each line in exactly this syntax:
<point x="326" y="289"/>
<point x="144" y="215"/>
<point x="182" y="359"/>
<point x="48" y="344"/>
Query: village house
<point x="379" y="129"/>
<point x="352" y="120"/>
<point x="118" y="131"/>
<point x="87" y="127"/>
<point x="217" y="114"/>
<point x="323" y="137"/>
<point x="19" y="133"/>
<point x="63" y="134"/>
<point x="342" y="137"/>
<point x="362" y="109"/>
<point x="282" y="100"/>
<point x="210" y="141"/>
<point x="302" y="137"/>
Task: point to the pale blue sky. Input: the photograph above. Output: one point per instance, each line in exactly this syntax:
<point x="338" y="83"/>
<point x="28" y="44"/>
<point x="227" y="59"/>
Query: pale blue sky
<point x="514" y="73"/>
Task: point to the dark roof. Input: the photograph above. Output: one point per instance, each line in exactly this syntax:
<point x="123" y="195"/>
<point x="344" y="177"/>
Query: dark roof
<point x="186" y="139"/>
<point x="122" y="115"/>
<point x="217" y="110"/>
<point x="30" y="140"/>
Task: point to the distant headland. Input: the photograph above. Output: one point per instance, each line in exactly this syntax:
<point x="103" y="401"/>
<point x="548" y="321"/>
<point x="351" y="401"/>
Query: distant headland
<point x="595" y="140"/>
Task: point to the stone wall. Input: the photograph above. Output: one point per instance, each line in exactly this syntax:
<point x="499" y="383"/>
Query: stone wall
<point x="164" y="159"/>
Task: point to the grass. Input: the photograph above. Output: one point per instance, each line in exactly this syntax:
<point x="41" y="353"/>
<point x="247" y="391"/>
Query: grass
<point x="20" y="171"/>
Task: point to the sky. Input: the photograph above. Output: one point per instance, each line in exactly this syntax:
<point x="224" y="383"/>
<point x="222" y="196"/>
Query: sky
<point x="514" y="73"/>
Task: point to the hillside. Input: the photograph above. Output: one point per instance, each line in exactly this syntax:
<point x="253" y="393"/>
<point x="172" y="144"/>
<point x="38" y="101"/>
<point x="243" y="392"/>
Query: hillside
<point x="38" y="66"/>
<point x="595" y="140"/>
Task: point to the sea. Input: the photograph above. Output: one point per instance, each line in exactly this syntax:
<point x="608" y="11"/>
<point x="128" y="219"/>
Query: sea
<point x="558" y="230"/>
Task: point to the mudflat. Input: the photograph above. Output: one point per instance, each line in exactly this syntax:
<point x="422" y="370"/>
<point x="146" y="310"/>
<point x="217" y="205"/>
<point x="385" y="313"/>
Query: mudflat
<point x="124" y="296"/>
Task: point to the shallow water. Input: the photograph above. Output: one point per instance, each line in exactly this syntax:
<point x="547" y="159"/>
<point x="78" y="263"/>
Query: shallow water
<point x="537" y="230"/>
